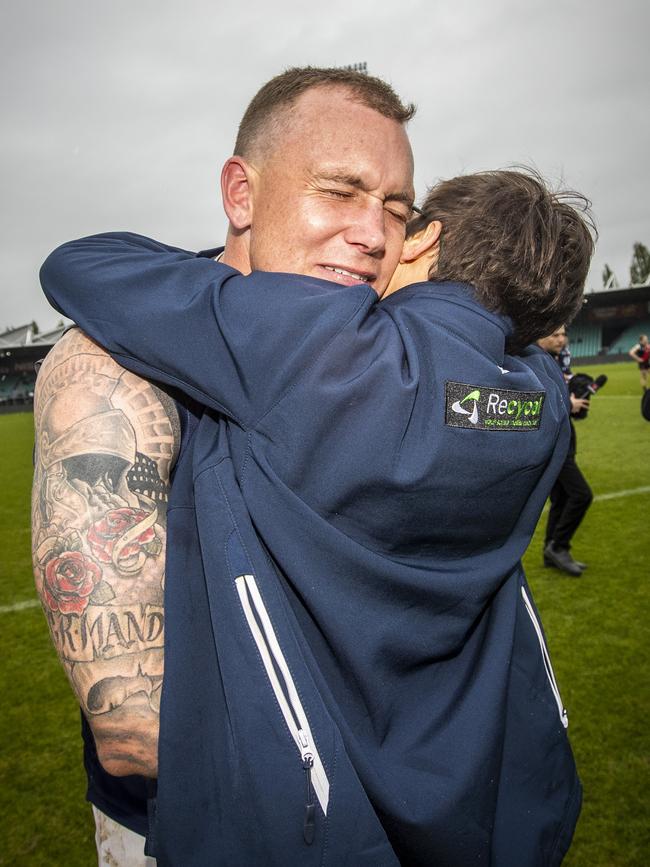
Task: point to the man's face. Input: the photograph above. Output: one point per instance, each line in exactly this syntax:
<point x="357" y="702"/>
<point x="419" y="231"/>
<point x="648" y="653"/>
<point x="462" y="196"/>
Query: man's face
<point x="555" y="342"/>
<point x="331" y="200"/>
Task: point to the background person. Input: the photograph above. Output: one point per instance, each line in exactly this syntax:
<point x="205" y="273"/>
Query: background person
<point x="640" y="352"/>
<point x="571" y="495"/>
<point x="564" y="359"/>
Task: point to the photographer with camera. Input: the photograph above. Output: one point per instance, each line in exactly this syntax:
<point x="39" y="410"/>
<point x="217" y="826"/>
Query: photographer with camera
<point x="571" y="495"/>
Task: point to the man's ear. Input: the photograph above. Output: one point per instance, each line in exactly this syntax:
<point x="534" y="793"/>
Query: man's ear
<point x="424" y="242"/>
<point x="237" y="178"/>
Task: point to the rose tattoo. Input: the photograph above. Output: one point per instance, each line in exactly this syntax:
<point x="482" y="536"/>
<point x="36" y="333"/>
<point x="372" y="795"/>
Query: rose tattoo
<point x="124" y="537"/>
<point x="69" y="579"/>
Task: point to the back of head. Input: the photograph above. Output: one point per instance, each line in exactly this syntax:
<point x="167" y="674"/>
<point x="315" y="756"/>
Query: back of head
<point x="270" y="108"/>
<point x="525" y="249"/>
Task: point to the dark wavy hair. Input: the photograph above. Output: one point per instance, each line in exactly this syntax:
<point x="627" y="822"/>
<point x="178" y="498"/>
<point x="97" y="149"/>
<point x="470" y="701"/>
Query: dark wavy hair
<point x="524" y="248"/>
<point x="270" y="106"/>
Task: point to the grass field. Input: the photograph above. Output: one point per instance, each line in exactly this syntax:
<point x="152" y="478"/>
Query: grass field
<point x="597" y="626"/>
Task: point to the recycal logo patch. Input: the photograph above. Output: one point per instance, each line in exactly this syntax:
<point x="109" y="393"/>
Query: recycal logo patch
<point x="481" y="408"/>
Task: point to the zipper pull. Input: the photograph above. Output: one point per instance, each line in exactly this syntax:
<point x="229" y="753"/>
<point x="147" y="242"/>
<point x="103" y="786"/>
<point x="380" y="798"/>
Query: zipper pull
<point x="309" y="821"/>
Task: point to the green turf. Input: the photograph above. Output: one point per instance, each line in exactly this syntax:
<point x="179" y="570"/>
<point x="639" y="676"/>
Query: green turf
<point x="597" y="629"/>
<point x="599" y="633"/>
<point x="44" y="819"/>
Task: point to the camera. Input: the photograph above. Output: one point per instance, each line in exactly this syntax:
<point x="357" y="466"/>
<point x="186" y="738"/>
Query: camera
<point x="581" y="385"/>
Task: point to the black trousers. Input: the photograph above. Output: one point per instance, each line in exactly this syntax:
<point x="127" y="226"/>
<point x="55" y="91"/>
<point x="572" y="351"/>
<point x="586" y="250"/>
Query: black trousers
<point x="571" y="496"/>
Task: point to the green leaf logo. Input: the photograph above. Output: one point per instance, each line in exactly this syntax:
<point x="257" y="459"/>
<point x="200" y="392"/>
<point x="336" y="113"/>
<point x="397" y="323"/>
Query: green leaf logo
<point x="459" y="408"/>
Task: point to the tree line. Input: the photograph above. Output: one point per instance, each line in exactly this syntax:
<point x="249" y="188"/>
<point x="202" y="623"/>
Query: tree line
<point x="639" y="269"/>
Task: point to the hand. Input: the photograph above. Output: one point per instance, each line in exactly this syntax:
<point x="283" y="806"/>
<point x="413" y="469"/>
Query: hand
<point x="578" y="404"/>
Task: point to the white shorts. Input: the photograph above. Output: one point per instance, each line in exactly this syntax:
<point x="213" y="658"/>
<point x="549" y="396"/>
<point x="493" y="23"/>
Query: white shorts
<point x="117" y="846"/>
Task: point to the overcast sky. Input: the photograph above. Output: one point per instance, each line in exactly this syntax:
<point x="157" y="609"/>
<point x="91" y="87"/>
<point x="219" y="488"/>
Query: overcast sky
<point x="117" y="114"/>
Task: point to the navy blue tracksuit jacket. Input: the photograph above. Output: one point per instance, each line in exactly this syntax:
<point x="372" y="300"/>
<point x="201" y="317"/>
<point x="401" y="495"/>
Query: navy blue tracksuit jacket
<point x="355" y="670"/>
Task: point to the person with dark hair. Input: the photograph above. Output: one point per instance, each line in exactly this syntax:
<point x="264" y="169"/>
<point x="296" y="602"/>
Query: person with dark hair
<point x="571" y="495"/>
<point x="524" y="249"/>
<point x="348" y="596"/>
<point x="640" y="352"/>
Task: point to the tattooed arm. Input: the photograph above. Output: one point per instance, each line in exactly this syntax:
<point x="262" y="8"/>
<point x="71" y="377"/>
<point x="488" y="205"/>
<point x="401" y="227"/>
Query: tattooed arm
<point x="105" y="443"/>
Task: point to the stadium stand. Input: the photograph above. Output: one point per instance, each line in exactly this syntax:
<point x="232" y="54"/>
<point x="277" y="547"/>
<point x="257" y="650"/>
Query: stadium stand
<point x="585" y="340"/>
<point x="626" y="340"/>
<point x="20" y="349"/>
<point x="609" y="324"/>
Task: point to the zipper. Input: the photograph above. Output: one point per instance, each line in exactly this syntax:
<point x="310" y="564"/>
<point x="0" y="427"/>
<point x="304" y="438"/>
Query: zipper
<point x="550" y="674"/>
<point x="284" y="689"/>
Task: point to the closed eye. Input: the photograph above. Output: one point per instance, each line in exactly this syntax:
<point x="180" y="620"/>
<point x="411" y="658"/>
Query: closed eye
<point x="339" y="194"/>
<point x="396" y="208"/>
<point x="402" y="216"/>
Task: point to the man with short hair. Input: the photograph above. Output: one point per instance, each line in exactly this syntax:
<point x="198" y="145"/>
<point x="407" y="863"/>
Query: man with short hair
<point x="361" y="495"/>
<point x="571" y="495"/>
<point x="303" y="190"/>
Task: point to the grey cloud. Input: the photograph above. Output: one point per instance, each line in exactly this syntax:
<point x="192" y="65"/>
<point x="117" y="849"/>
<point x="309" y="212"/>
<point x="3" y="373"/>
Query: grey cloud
<point x="118" y="115"/>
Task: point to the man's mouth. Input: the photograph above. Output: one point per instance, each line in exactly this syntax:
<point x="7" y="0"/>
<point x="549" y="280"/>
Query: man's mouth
<point x="355" y="276"/>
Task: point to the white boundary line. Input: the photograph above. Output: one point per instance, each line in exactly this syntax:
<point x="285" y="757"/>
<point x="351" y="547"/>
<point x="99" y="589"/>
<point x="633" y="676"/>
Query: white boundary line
<point x="615" y="495"/>
<point x="19" y="606"/>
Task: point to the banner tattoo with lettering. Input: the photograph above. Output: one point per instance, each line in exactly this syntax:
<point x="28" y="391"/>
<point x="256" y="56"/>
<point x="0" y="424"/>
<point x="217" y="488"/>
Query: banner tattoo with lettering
<point x="105" y="443"/>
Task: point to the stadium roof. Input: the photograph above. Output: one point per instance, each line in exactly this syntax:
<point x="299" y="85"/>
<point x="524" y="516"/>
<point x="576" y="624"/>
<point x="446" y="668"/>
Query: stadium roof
<point x="14" y="338"/>
<point x="625" y="294"/>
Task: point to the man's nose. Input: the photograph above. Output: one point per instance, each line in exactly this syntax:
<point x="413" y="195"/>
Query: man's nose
<point x="367" y="229"/>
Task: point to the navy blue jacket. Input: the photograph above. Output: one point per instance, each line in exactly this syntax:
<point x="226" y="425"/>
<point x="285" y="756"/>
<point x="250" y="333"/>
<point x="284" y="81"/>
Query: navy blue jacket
<point x="355" y="671"/>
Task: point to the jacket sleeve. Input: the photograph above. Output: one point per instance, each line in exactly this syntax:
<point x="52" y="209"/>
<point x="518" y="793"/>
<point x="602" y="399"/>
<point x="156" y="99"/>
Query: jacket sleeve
<point x="235" y="343"/>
